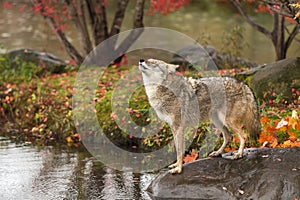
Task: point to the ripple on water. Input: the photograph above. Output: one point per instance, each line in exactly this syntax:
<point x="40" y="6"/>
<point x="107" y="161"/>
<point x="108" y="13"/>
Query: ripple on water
<point x="28" y="172"/>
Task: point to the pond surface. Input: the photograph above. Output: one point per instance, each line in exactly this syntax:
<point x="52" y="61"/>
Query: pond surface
<point x="205" y="21"/>
<point x="28" y="172"/>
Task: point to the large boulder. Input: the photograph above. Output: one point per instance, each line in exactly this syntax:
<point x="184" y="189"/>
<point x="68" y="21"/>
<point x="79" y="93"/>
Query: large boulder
<point x="279" y="77"/>
<point x="208" y="58"/>
<point x="262" y="174"/>
<point x="48" y="61"/>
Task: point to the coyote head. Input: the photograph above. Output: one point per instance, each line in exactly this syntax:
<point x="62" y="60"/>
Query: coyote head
<point x="156" y="71"/>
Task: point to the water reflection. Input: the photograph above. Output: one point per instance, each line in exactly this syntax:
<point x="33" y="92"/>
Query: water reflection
<point x="52" y="173"/>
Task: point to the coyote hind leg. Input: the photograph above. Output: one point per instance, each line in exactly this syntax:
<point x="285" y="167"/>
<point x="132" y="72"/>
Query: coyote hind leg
<point x="243" y="137"/>
<point x="227" y="137"/>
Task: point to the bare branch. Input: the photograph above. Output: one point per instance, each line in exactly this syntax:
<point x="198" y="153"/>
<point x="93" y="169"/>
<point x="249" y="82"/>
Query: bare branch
<point x="119" y="16"/>
<point x="255" y="25"/>
<point x="292" y="35"/>
<point x="297" y="40"/>
<point x="71" y="50"/>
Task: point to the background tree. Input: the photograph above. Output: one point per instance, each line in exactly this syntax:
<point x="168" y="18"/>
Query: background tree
<point x="284" y="12"/>
<point x="89" y="20"/>
<point x="88" y="17"/>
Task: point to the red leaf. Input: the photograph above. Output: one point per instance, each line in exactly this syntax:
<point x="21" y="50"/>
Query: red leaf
<point x="63" y="27"/>
<point x="72" y="62"/>
<point x="8" y="5"/>
<point x="37" y="8"/>
<point x="22" y="8"/>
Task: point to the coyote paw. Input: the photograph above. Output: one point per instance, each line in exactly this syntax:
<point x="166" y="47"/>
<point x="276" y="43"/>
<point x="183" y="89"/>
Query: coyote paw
<point x="237" y="156"/>
<point x="176" y="170"/>
<point x="214" y="154"/>
<point x="173" y="166"/>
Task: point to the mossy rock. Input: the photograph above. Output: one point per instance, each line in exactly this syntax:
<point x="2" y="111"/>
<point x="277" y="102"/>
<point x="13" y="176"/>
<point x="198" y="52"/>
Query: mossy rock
<point x="208" y="58"/>
<point x="50" y="62"/>
<point x="279" y="77"/>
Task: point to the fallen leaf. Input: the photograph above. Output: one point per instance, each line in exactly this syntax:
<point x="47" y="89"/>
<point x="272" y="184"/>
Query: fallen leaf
<point x="281" y="124"/>
<point x="191" y="157"/>
<point x="69" y="139"/>
<point x="293" y="136"/>
<point x="274" y="143"/>
<point x="293" y="121"/>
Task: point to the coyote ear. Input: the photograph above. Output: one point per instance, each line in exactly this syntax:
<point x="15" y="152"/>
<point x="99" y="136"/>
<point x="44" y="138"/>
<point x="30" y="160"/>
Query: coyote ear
<point x="172" y="68"/>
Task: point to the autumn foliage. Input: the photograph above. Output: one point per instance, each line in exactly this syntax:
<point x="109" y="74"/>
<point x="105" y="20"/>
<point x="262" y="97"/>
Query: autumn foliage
<point x="283" y="133"/>
<point x="164" y="7"/>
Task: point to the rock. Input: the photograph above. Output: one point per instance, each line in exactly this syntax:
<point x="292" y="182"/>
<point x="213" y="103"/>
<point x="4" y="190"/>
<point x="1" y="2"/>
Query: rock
<point x="261" y="174"/>
<point x="209" y="56"/>
<point x="49" y="61"/>
<point x="279" y="77"/>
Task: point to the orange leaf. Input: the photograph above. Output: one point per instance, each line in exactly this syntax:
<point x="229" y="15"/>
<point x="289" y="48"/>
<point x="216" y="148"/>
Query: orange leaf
<point x="297" y="143"/>
<point x="191" y="157"/>
<point x="262" y="137"/>
<point x="265" y="119"/>
<point x="229" y="149"/>
<point x="293" y="136"/>
<point x="274" y="143"/>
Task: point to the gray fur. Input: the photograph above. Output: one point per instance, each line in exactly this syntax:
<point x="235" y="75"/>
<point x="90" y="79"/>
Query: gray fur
<point x="183" y="103"/>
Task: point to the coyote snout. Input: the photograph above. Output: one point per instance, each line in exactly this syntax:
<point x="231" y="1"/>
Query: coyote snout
<point x="183" y="103"/>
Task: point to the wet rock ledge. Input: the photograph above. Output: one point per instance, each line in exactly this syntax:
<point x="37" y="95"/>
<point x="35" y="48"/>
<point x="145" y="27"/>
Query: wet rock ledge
<point x="261" y="174"/>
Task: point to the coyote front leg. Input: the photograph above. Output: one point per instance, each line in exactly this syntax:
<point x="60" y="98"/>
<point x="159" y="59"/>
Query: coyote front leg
<point x="179" y="145"/>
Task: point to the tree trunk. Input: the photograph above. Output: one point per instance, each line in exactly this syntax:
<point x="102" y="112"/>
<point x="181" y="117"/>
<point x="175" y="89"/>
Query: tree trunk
<point x="280" y="30"/>
<point x="98" y="21"/>
<point x="278" y="37"/>
<point x="78" y="19"/>
<point x="135" y="32"/>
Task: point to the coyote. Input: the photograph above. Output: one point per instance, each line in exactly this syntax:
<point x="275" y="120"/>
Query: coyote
<point x="183" y="103"/>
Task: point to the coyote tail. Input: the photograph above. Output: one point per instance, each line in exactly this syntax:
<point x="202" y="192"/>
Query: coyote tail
<point x="253" y="124"/>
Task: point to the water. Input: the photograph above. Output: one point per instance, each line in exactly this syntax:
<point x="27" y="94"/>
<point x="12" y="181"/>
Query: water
<point x="28" y="172"/>
<point x="204" y="21"/>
